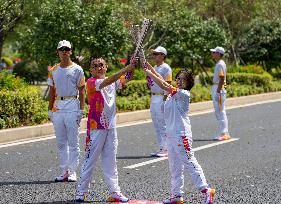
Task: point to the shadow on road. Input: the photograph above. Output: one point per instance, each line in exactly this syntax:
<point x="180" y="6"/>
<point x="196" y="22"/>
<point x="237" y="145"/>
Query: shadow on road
<point x="203" y="140"/>
<point x="68" y="201"/>
<point x="19" y="183"/>
<point x="133" y="157"/>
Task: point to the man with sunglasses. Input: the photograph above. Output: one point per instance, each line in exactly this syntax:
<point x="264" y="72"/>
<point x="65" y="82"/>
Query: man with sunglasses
<point x="219" y="93"/>
<point x="158" y="96"/>
<point x="66" y="105"/>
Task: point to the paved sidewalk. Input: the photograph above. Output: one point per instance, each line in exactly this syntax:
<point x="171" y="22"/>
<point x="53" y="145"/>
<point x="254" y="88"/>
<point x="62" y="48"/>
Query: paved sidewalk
<point x="22" y="133"/>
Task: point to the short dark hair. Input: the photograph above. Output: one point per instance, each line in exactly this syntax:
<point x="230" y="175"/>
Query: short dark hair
<point x="189" y="78"/>
<point x="94" y="58"/>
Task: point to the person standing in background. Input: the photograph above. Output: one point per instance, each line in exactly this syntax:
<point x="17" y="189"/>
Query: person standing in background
<point x="158" y="97"/>
<point x="66" y="105"/>
<point x="219" y="93"/>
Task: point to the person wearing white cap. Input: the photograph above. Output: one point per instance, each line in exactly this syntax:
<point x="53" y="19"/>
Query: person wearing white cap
<point x="66" y="105"/>
<point x="157" y="99"/>
<point x="219" y="93"/>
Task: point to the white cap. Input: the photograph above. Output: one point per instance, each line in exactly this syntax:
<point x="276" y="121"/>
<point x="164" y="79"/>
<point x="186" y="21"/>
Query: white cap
<point x="161" y="50"/>
<point x="218" y="49"/>
<point x="64" y="43"/>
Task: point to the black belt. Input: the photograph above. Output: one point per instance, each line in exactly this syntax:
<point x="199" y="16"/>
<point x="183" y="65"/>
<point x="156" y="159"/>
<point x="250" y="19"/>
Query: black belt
<point x="66" y="97"/>
<point x="157" y="94"/>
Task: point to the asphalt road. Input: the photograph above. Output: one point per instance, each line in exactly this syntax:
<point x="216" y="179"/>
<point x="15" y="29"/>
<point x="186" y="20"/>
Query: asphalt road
<point x="247" y="170"/>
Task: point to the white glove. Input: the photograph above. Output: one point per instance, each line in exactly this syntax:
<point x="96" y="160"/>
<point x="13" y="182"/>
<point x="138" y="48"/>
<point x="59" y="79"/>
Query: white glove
<point x="80" y="115"/>
<point x="217" y="96"/>
<point x="50" y="115"/>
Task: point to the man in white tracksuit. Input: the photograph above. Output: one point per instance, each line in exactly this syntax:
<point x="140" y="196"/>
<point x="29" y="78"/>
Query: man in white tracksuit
<point x="219" y="93"/>
<point x="66" y="105"/>
<point x="158" y="96"/>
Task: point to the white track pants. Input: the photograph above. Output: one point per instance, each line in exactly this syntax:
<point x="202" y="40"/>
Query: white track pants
<point x="220" y="110"/>
<point x="66" y="130"/>
<point x="181" y="157"/>
<point x="102" y="143"/>
<point x="157" y="116"/>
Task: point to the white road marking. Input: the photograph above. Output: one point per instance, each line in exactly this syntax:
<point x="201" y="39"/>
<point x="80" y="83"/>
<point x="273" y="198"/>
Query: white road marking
<point x="9" y="144"/>
<point x="27" y="141"/>
<point x="194" y="150"/>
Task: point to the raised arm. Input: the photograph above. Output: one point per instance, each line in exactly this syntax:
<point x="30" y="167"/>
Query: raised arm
<point x="148" y="66"/>
<point x="116" y="76"/>
<point x="158" y="80"/>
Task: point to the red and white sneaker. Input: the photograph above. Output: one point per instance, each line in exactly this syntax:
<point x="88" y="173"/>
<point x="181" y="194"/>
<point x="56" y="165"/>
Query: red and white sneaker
<point x="117" y="197"/>
<point x="209" y="196"/>
<point x="223" y="137"/>
<point x="174" y="200"/>
<point x="63" y="177"/>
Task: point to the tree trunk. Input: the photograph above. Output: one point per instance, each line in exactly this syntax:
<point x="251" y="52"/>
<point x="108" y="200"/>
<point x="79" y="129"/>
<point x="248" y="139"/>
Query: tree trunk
<point x="1" y="44"/>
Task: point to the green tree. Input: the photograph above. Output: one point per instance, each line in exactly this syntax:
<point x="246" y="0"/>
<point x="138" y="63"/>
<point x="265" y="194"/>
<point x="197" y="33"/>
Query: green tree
<point x="93" y="30"/>
<point x="188" y="37"/>
<point x="262" y="43"/>
<point x="11" y="12"/>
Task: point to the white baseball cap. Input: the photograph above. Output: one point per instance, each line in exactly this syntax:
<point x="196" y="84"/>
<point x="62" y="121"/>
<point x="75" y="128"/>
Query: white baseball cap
<point x="64" y="43"/>
<point x="161" y="50"/>
<point x="219" y="50"/>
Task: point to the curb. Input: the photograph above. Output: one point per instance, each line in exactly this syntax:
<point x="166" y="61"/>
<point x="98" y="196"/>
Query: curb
<point x="15" y="134"/>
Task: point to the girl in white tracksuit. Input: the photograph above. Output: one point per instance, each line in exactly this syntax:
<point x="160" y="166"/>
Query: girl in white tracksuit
<point x="179" y="136"/>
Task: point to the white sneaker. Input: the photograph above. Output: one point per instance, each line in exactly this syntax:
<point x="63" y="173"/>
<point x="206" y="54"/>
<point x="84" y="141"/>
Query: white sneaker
<point x="117" y="197"/>
<point x="72" y="177"/>
<point x="63" y="177"/>
<point x="80" y="197"/>
<point x="160" y="153"/>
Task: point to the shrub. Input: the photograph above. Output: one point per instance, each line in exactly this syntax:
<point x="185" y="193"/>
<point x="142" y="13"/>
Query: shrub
<point x="200" y="93"/>
<point x="276" y="72"/>
<point x="132" y="102"/>
<point x="255" y="69"/>
<point x="245" y="78"/>
<point x="249" y="79"/>
<point x="138" y="87"/>
<point x="22" y="107"/>
<point x="10" y="82"/>
<point x="238" y="90"/>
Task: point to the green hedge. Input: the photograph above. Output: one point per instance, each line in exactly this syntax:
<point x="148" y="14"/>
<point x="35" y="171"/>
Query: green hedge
<point x="198" y="93"/>
<point x="249" y="79"/>
<point x="245" y="78"/>
<point x="138" y="87"/>
<point x="22" y="107"/>
<point x="254" y="69"/>
<point x="132" y="103"/>
<point x="10" y="82"/>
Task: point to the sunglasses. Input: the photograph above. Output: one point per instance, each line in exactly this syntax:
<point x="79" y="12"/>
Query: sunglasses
<point x="64" y="49"/>
<point x="94" y="66"/>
